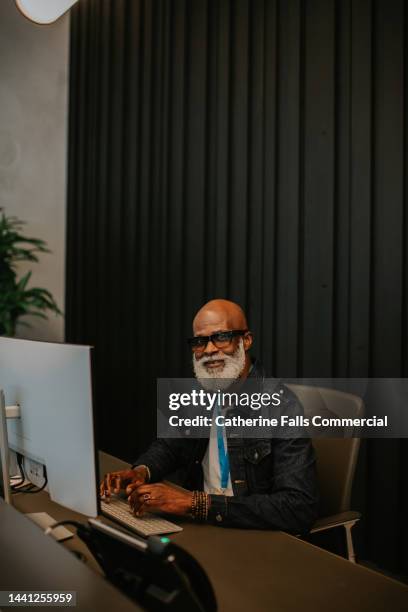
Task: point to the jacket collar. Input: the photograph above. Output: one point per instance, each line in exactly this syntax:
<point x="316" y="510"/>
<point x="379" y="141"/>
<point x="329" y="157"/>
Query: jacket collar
<point x="257" y="369"/>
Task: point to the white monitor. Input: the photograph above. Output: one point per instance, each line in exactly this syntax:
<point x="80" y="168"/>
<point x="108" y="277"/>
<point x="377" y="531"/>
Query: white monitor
<point x="52" y="385"/>
<point x="5" y="491"/>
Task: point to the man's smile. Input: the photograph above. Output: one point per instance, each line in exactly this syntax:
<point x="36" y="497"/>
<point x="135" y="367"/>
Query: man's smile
<point x="214" y="364"/>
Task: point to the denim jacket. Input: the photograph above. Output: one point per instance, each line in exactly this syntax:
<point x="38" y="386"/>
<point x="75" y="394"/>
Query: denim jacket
<point x="273" y="480"/>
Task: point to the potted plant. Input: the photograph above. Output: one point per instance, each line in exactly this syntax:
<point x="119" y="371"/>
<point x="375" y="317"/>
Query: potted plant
<point x="16" y="298"/>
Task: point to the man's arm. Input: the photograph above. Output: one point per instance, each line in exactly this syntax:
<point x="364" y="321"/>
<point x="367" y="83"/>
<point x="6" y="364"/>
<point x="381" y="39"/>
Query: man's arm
<point x="162" y="458"/>
<point x="290" y="506"/>
<point x="292" y="503"/>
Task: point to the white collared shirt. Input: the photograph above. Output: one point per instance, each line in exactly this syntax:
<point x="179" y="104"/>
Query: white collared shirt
<point x="211" y="465"/>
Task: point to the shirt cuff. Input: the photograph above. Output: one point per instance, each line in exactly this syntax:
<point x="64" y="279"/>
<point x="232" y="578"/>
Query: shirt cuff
<point x="149" y="475"/>
<point x="218" y="511"/>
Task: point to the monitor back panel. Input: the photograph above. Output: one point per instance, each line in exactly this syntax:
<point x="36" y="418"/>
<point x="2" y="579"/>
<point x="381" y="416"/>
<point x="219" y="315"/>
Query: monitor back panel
<point x="52" y="384"/>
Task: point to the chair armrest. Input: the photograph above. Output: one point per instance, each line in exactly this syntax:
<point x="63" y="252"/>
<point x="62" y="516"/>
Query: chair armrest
<point x="336" y="520"/>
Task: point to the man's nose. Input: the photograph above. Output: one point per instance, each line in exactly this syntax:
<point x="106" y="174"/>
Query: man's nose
<point x="210" y="349"/>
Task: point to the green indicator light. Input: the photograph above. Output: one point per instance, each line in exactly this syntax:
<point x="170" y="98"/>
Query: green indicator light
<point x="165" y="540"/>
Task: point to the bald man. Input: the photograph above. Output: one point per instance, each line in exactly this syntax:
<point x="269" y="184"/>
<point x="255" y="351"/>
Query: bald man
<point x="250" y="483"/>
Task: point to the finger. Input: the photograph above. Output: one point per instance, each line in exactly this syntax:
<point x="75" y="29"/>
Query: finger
<point x="102" y="489"/>
<point x="134" y="485"/>
<point x="145" y="505"/>
<point x="138" y="502"/>
<point x="149" y="505"/>
<point x="140" y="510"/>
<point x="117" y="483"/>
<point x="147" y="488"/>
<point x="106" y="484"/>
<point x="149" y="499"/>
<point x="144" y="497"/>
<point x="133" y="500"/>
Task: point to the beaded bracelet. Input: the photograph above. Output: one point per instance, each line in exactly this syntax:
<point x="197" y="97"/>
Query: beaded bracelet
<point x="200" y="505"/>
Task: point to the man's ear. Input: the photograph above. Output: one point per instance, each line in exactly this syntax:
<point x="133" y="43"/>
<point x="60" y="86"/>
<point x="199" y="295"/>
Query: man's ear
<point x="248" y="339"/>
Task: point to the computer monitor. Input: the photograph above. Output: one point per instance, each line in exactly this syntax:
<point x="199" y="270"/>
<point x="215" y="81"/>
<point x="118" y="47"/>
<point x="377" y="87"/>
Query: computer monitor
<point x="52" y="385"/>
<point x="5" y="492"/>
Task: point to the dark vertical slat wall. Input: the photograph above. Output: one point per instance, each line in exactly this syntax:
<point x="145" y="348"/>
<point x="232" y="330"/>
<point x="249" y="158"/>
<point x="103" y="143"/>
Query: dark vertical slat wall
<point x="319" y="189"/>
<point x="248" y="149"/>
<point x="361" y="163"/>
<point x="387" y="248"/>
<point x="342" y="135"/>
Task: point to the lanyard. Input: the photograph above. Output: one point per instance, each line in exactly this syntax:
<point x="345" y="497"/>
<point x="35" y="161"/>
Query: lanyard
<point x="222" y="456"/>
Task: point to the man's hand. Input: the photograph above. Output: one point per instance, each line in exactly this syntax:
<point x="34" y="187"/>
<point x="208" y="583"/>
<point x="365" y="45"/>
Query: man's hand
<point x="160" y="497"/>
<point x="125" y="479"/>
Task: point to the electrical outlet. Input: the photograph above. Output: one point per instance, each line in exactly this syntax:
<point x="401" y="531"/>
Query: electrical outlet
<point x="34" y="472"/>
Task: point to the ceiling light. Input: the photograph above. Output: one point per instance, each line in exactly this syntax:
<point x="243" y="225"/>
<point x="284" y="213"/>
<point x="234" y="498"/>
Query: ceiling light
<point x="44" y="11"/>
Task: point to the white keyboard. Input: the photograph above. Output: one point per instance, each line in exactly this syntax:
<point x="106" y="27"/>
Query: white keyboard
<point x="147" y="525"/>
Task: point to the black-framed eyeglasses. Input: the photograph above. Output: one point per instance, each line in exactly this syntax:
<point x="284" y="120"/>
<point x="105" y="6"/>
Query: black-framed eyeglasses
<point x="221" y="339"/>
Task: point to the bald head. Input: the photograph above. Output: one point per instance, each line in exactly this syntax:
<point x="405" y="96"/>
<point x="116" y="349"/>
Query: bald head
<point x="231" y="361"/>
<point x="219" y="315"/>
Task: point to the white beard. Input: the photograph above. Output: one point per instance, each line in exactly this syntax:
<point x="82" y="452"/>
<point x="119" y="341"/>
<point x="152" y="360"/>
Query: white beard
<point x="213" y="380"/>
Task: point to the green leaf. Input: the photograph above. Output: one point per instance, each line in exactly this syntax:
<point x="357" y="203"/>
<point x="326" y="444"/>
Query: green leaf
<point x="16" y="298"/>
<point x="21" y="285"/>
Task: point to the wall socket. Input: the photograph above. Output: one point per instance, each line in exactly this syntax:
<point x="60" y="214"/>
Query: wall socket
<point x="34" y="472"/>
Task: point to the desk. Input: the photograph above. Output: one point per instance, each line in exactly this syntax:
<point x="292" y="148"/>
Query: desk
<point x="268" y="570"/>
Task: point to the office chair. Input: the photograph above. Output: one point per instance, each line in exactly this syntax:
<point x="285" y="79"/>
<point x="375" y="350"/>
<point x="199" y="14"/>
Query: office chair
<point x="336" y="458"/>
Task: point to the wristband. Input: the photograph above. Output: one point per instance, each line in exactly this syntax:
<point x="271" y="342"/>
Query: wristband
<point x="200" y="505"/>
<point x="147" y="470"/>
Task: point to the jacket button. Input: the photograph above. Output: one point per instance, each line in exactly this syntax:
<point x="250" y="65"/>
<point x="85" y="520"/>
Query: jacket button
<point x="256" y="455"/>
<point x="218" y="518"/>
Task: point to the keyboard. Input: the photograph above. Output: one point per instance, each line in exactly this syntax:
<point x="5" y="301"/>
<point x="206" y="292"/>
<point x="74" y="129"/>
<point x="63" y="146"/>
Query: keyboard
<point x="147" y="525"/>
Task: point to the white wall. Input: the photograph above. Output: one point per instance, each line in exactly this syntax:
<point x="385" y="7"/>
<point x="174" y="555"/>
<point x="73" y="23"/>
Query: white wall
<point x="33" y="145"/>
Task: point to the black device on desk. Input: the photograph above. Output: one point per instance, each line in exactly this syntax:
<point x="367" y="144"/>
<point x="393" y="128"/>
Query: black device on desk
<point x="156" y="573"/>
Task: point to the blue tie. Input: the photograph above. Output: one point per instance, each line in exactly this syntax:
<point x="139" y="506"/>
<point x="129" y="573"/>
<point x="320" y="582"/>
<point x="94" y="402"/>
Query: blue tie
<point x="222" y="455"/>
